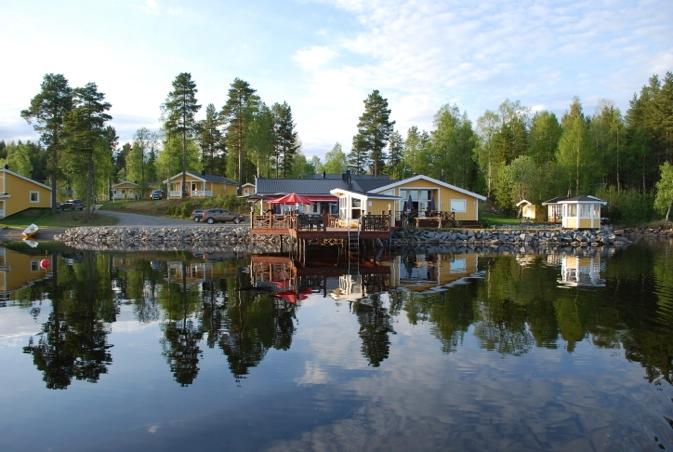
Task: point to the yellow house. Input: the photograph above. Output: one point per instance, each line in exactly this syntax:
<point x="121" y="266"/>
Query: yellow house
<point x="422" y="272"/>
<point x="126" y="190"/>
<point x="426" y="193"/>
<point x="19" y="193"/>
<point x="530" y="211"/>
<point x="199" y="186"/>
<point x="581" y="212"/>
<point x="19" y="270"/>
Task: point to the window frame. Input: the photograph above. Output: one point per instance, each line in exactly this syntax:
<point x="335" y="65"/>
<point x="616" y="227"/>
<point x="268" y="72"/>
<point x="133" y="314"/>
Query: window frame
<point x="37" y="197"/>
<point x="462" y="200"/>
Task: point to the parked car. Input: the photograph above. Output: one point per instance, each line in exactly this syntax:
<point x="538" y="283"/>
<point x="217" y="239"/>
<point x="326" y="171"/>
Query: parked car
<point x="72" y="204"/>
<point x="211" y="216"/>
<point x="156" y="195"/>
<point x="197" y="215"/>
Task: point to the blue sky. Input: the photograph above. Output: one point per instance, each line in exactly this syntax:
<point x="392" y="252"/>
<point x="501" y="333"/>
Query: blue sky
<point x="324" y="56"/>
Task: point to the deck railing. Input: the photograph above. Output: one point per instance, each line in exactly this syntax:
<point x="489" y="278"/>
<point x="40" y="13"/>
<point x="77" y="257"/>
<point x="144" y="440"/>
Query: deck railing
<point x="315" y="222"/>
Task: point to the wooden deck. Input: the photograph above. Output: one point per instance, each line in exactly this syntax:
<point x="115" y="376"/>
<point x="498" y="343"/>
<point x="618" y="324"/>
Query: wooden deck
<point x="321" y="227"/>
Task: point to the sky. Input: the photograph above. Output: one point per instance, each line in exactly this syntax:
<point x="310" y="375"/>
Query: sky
<point x="324" y="56"/>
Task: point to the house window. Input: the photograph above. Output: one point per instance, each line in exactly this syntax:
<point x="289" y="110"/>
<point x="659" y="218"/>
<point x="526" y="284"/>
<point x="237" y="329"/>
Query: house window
<point x="585" y="210"/>
<point x="419" y="199"/>
<point x="34" y="266"/>
<point x="572" y="210"/>
<point x="459" y="205"/>
<point x="34" y="197"/>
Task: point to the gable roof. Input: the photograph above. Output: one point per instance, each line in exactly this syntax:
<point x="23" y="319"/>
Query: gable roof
<point x="248" y="184"/>
<point x="205" y="178"/>
<point x="429" y="179"/>
<point x="27" y="179"/>
<point x="583" y="199"/>
<point x="523" y="201"/>
<point x="337" y="191"/>
<point x="554" y="200"/>
<point x="125" y="182"/>
<point x="319" y="186"/>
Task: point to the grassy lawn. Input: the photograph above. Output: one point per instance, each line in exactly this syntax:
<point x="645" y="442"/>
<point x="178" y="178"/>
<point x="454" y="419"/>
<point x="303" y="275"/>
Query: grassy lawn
<point x="44" y="218"/>
<point x="180" y="208"/>
<point x="493" y="220"/>
<point x="159" y="207"/>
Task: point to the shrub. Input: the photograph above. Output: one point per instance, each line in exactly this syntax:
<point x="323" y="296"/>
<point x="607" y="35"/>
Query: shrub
<point x="629" y="206"/>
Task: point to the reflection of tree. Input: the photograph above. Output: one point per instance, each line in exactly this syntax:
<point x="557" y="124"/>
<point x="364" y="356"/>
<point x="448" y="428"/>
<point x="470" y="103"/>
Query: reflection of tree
<point x="181" y="333"/>
<point x="73" y="340"/>
<point x="375" y="324"/>
<point x="449" y="312"/>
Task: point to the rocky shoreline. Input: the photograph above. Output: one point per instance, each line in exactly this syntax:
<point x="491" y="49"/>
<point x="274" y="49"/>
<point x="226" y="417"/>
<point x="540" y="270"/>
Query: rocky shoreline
<point x="168" y="238"/>
<point x="237" y="239"/>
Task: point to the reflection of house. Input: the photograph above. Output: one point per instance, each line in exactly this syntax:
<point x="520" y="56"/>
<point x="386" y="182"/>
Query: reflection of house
<point x="581" y="271"/>
<point x="350" y="288"/>
<point x="530" y="211"/>
<point x="422" y="272"/>
<point x="19" y="270"/>
<point x="191" y="272"/>
<point x="200" y="186"/>
<point x="579" y="212"/>
<point x="19" y="193"/>
<point x="125" y="190"/>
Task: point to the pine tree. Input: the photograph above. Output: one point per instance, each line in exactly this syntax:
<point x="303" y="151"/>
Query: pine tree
<point x="85" y="133"/>
<point x="287" y="143"/>
<point x="111" y="141"/>
<point x="211" y="141"/>
<point x="181" y="107"/>
<point x="47" y="113"/>
<point x="374" y="129"/>
<point x="395" y="155"/>
<point x="236" y="115"/>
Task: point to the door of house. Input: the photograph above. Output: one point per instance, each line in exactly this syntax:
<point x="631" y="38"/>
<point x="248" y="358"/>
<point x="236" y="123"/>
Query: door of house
<point x="2" y="209"/>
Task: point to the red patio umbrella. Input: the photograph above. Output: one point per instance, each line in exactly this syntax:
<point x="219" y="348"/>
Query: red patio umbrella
<point x="291" y="198"/>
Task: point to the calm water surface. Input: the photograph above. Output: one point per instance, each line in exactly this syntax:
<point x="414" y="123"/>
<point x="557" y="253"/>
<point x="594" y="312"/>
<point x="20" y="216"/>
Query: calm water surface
<point x="111" y="351"/>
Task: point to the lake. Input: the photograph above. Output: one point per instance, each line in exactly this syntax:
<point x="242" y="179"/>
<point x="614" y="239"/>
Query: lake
<point x="174" y="351"/>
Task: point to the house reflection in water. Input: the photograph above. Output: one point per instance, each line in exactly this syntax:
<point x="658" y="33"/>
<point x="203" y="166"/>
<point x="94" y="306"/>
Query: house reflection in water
<point x="420" y="272"/>
<point x="583" y="271"/>
<point x="18" y="270"/>
<point x="282" y="274"/>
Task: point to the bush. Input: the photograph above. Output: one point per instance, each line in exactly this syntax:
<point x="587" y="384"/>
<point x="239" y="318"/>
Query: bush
<point x="629" y="206"/>
<point x="184" y="208"/>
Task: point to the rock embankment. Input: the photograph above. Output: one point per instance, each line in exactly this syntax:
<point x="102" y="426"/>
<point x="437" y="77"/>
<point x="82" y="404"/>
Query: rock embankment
<point x="508" y="238"/>
<point x="169" y="238"/>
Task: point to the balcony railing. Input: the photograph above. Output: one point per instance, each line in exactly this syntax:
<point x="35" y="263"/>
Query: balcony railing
<point x="314" y="222"/>
<point x="202" y="194"/>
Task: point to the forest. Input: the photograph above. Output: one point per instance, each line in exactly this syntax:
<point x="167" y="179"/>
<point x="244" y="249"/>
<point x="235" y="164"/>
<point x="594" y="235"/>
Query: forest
<point x="508" y="154"/>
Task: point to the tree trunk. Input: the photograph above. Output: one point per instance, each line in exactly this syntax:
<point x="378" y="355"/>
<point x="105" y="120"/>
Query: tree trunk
<point x="668" y="212"/>
<point x="54" y="171"/>
<point x="90" y="185"/>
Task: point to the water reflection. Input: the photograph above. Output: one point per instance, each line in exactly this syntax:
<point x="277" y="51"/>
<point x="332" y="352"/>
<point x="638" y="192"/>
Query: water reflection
<point x="247" y="306"/>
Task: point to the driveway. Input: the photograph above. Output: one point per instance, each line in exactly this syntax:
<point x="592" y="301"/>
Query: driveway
<point x="136" y="219"/>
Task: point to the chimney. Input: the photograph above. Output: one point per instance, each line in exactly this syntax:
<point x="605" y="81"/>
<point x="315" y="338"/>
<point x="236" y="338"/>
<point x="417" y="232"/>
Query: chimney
<point x="324" y="175"/>
<point x="203" y="172"/>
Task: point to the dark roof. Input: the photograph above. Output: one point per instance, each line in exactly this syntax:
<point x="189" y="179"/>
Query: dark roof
<point x="319" y="186"/>
<point x="554" y="200"/>
<point x="217" y="179"/>
<point x="583" y="198"/>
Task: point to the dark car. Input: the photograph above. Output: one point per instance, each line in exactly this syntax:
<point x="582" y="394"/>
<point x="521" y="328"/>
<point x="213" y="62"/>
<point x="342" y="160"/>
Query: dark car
<point x="72" y="204"/>
<point x="197" y="215"/>
<point x="156" y="195"/>
<point x="211" y="216"/>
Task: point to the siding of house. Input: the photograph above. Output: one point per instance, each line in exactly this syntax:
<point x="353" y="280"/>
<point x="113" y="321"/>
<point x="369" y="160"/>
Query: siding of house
<point x="19" y="190"/>
<point x="380" y="205"/>
<point x="221" y="189"/>
<point x="18" y="270"/>
<point x="444" y="202"/>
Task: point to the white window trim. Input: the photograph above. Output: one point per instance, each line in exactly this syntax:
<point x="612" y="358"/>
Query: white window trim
<point x="464" y="209"/>
<point x="30" y="197"/>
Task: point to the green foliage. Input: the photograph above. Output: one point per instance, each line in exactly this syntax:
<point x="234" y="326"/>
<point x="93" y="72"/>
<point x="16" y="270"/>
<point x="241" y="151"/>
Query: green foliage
<point x="211" y="141"/>
<point x="545" y="132"/>
<point x="184" y="208"/>
<point x="180" y="110"/>
<point x="374" y="129"/>
<point x="236" y="115"/>
<point x="169" y="161"/>
<point x="396" y="155"/>
<point x="261" y="140"/>
<point x="664" y="198"/>
<point x="286" y="143"/>
<point x="627" y="206"/>
<point x="335" y="161"/>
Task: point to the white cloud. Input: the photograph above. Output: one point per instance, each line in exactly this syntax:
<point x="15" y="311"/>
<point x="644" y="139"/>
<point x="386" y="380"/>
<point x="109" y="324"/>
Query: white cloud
<point x="314" y="57"/>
